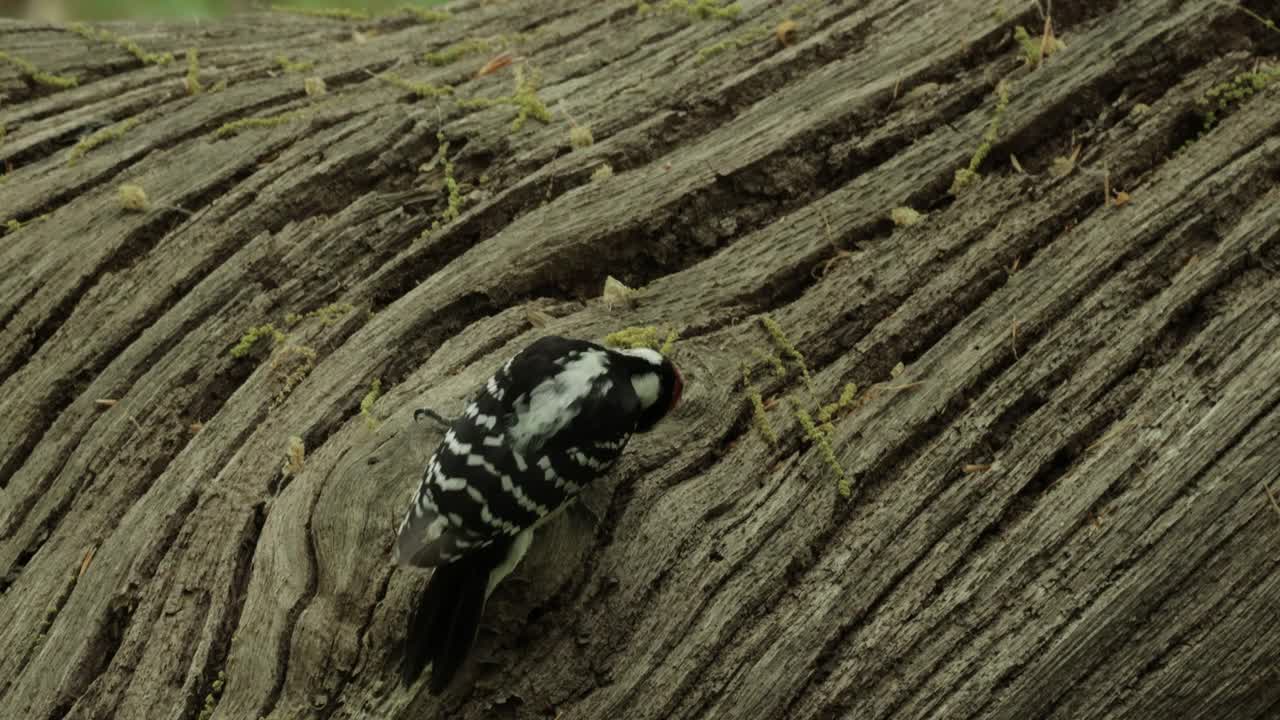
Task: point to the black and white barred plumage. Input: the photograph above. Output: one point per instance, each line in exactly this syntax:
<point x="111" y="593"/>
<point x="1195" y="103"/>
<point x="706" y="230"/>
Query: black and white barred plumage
<point x="552" y="419"/>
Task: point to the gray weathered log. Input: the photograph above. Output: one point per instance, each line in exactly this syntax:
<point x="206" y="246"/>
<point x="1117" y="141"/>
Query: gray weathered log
<point x="1060" y="503"/>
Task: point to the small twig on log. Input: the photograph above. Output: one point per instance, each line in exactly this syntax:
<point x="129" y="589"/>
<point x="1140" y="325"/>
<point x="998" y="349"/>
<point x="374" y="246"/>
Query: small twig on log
<point x="1271" y="496"/>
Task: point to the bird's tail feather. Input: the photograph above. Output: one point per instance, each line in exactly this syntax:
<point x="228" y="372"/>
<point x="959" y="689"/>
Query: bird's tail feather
<point x="444" y="626"/>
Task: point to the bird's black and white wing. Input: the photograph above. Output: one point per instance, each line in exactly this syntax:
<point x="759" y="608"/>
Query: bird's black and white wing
<point x="548" y="422"/>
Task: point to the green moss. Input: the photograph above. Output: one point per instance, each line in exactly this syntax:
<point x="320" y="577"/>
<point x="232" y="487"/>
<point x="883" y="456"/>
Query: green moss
<point x="736" y="42"/>
<point x="327" y="13"/>
<point x="966" y="176"/>
<point x="102" y="137"/>
<point x="759" y="415"/>
<point x="779" y="368"/>
<point x="14" y="225"/>
<point x="36" y="75"/>
<point x="453" y="208"/>
<point x="124" y="43"/>
<point x="633" y="337"/>
<point x="1035" y="48"/>
<point x="422" y="90"/>
<point x="604" y="171"/>
<point x="669" y="342"/>
<point x="327" y="315"/>
<point x="252" y="336"/>
<point x="1223" y="99"/>
<point x="193" y="73"/>
<point x="366" y="403"/>
<point x="291" y="66"/>
<point x="211" y="699"/>
<point x="905" y="216"/>
<point x="580" y="137"/>
<point x="828" y="412"/>
<point x="525" y="99"/>
<point x="457" y="51"/>
<point x="423" y="14"/>
<point x="693" y="9"/>
<point x="453" y="191"/>
<point x="818" y="438"/>
<point x="788" y="349"/>
<point x="330" y="314"/>
<point x="642" y="336"/>
<point x="291" y="366"/>
<point x="234" y="127"/>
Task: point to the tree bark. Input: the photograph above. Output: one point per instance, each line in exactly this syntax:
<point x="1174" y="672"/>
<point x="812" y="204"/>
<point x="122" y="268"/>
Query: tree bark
<point x="1062" y="449"/>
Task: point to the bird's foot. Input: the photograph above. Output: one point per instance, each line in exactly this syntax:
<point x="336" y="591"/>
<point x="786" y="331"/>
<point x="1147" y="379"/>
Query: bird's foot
<point x="430" y="414"/>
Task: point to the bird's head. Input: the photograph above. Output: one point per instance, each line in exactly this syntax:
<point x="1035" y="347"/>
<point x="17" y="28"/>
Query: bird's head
<point x="657" y="382"/>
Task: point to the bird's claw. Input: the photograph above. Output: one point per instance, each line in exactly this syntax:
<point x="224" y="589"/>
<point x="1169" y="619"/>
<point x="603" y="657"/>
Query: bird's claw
<point x="432" y="415"/>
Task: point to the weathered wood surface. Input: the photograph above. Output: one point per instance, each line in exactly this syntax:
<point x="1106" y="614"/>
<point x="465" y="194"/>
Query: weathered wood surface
<point x="1115" y="366"/>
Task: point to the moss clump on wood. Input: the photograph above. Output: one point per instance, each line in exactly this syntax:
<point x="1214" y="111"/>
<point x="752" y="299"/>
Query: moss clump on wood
<point x="905" y="216"/>
<point x="102" y="137"/>
<point x="327" y="315"/>
<point x="736" y="42"/>
<point x="236" y="126"/>
<point x="192" y="80"/>
<point x="815" y="433"/>
<point x="819" y="439"/>
<point x="966" y="176"/>
<point x="366" y="403"/>
<point x="1223" y="99"/>
<point x="457" y="51"/>
<point x="642" y="336"/>
<point x="1034" y="49"/>
<point x="252" y="336"/>
<point x="779" y="368"/>
<point x="124" y="43"/>
<point x="211" y="699"/>
<point x="580" y="137"/>
<point x="450" y="185"/>
<point x="36" y="75"/>
<point x="788" y="349"/>
<point x="291" y="365"/>
<point x="525" y="99"/>
<point x="422" y="90"/>
<point x="132" y="198"/>
<point x="292" y="66"/>
<point x="759" y="416"/>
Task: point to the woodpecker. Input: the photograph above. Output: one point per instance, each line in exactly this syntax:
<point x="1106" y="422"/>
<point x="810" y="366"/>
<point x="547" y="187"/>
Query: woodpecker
<point x="552" y="419"/>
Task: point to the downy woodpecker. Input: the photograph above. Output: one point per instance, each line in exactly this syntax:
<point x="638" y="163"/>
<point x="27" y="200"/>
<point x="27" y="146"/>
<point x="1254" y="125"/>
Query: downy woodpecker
<point x="552" y="419"/>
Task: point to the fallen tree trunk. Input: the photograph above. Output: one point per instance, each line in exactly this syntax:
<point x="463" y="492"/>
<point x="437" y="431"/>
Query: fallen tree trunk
<point x="1060" y="451"/>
